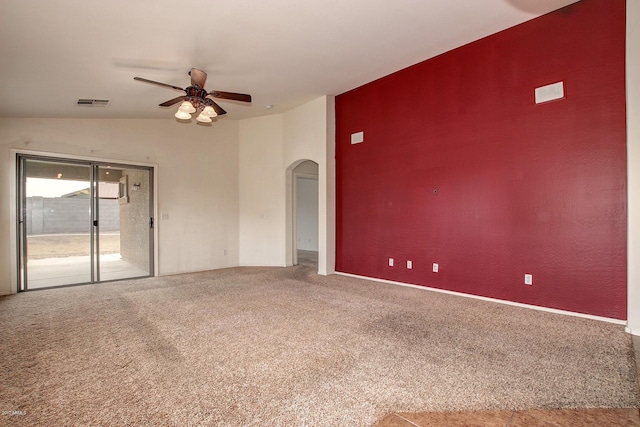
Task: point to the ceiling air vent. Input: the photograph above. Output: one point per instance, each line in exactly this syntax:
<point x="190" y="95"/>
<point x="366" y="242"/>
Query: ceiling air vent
<point x="93" y="102"/>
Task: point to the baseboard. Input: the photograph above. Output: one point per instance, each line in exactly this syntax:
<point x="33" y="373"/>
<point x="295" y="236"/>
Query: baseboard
<point x="499" y="301"/>
<point x="632" y="332"/>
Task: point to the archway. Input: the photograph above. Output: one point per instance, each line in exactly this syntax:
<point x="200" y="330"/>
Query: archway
<point x="302" y="213"/>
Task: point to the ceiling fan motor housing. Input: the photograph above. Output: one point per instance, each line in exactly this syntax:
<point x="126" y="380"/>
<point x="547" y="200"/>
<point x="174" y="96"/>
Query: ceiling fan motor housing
<point x="196" y="96"/>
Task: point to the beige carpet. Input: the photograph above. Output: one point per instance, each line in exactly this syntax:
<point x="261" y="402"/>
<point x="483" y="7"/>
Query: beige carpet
<point x="285" y="347"/>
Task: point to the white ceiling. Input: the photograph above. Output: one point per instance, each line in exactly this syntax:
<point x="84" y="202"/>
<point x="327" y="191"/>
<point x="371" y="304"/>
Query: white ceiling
<point x="282" y="52"/>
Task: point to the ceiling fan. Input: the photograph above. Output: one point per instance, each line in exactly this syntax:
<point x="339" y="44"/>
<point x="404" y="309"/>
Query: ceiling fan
<point x="197" y="97"/>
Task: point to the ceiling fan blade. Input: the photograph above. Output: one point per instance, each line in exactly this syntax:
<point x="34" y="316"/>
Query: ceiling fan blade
<point x="158" y="83"/>
<point x="198" y="77"/>
<point x="218" y="108"/>
<point x="230" y="95"/>
<point x="173" y="101"/>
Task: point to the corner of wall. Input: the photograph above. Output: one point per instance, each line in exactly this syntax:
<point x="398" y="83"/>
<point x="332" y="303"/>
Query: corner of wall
<point x="633" y="167"/>
<point x="329" y="188"/>
<point x="7" y="221"/>
<point x="309" y="133"/>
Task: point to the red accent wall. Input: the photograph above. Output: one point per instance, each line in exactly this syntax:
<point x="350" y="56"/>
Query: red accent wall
<point x="522" y="188"/>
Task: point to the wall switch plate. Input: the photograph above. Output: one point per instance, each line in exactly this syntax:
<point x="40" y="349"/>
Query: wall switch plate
<point x="390" y="262"/>
<point x="528" y="279"/>
<point x="435" y="267"/>
<point x="409" y="265"/>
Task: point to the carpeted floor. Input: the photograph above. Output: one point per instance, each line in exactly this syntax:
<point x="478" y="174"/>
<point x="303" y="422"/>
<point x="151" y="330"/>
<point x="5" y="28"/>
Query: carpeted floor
<point x="283" y="347"/>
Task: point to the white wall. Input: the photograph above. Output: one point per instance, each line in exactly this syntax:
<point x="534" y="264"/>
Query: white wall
<point x="261" y="192"/>
<point x="270" y="148"/>
<point x="227" y="187"/>
<point x="309" y="133"/>
<point x="196" y="175"/>
<point x="633" y="165"/>
<point x="307" y="168"/>
<point x="307" y="213"/>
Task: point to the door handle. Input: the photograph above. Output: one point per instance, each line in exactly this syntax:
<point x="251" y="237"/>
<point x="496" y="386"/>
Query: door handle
<point x="95" y="223"/>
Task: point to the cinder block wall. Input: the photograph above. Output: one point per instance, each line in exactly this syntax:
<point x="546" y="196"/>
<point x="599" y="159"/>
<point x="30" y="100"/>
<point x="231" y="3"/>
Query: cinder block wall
<point x="46" y="215"/>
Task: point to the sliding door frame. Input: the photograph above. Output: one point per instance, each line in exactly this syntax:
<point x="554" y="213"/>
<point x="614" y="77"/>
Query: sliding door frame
<point x="18" y="255"/>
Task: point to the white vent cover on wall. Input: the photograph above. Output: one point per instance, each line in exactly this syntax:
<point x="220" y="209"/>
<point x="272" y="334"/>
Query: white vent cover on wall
<point x="549" y="92"/>
<point x="93" y="102"/>
<point x="357" y="138"/>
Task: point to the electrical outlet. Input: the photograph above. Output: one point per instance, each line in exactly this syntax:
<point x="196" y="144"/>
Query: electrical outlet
<point x="528" y="279"/>
<point x="409" y="265"/>
<point x="390" y="262"/>
<point x="435" y="267"/>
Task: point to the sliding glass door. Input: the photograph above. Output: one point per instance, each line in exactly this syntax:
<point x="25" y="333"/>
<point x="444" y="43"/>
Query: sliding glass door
<point x="124" y="204"/>
<point x="82" y="222"/>
<point x="57" y="223"/>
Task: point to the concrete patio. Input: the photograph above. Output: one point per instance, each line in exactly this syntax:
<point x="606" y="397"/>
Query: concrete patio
<point x="48" y="272"/>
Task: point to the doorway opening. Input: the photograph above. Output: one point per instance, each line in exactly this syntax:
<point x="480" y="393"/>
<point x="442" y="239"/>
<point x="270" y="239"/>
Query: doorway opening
<point x="82" y="222"/>
<point x="305" y="214"/>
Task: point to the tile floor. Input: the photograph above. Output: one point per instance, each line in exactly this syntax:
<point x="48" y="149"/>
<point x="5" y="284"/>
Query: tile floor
<point x="533" y="418"/>
<point x="628" y="417"/>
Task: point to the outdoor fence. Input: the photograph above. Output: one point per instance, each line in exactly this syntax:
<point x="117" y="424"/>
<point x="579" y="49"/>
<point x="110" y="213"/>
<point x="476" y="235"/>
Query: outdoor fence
<point x="69" y="215"/>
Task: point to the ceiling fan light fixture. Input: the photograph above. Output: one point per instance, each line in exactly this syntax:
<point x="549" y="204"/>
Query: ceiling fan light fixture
<point x="182" y="115"/>
<point x="202" y="118"/>
<point x="187" y="107"/>
<point x="209" y="111"/>
<point x="196" y="98"/>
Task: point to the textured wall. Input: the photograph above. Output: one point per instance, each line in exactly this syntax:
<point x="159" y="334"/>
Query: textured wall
<point x="261" y="178"/>
<point x="522" y="188"/>
<point x="134" y="219"/>
<point x="307" y="213"/>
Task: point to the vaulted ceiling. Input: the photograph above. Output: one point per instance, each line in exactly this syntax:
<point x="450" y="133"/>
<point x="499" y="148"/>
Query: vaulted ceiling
<point x="283" y="52"/>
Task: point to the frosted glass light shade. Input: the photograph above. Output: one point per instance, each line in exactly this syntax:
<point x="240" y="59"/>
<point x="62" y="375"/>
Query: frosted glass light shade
<point x="203" y="119"/>
<point x="187" y="107"/>
<point x="182" y="115"/>
<point x="209" y="112"/>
